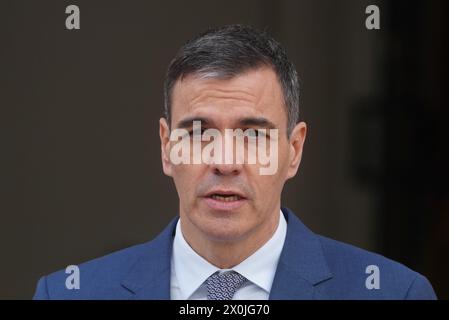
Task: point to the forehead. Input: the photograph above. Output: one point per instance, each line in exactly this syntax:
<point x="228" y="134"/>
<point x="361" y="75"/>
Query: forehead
<point x="256" y="93"/>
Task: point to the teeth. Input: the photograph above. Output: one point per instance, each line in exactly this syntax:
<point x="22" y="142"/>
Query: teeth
<point x="225" y="198"/>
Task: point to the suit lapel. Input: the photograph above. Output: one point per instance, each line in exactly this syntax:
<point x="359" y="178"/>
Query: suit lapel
<point x="149" y="278"/>
<point x="302" y="264"/>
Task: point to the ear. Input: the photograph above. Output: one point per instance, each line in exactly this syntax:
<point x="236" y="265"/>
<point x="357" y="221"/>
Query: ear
<point x="164" y="134"/>
<point x="296" y="142"/>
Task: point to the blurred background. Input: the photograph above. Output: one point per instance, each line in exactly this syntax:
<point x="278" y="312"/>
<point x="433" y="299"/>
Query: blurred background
<point x="80" y="157"/>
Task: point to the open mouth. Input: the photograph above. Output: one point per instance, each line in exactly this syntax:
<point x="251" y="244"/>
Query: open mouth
<point x="225" y="197"/>
<point x="222" y="200"/>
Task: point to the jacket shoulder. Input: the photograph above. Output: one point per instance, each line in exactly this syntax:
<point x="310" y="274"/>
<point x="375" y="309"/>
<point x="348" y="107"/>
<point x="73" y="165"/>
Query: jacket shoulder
<point x="98" y="277"/>
<point x="361" y="274"/>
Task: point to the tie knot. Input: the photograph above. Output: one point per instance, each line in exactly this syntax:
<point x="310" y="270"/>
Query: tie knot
<point x="223" y="286"/>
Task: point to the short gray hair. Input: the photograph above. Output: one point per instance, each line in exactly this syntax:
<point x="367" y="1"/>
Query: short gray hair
<point x="231" y="50"/>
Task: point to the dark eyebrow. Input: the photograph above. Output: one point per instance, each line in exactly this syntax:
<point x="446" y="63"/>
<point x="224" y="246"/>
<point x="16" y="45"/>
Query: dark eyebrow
<point x="244" y="122"/>
<point x="188" y="122"/>
<point x="258" y="122"/>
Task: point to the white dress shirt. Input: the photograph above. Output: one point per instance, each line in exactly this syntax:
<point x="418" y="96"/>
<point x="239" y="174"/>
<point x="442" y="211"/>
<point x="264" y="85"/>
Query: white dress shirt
<point x="189" y="270"/>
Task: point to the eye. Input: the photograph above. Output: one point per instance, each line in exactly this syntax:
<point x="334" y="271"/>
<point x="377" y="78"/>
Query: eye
<point x="257" y="133"/>
<point x="191" y="133"/>
<point x="252" y="133"/>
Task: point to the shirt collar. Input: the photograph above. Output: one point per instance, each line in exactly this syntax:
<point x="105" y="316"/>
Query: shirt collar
<point x="192" y="270"/>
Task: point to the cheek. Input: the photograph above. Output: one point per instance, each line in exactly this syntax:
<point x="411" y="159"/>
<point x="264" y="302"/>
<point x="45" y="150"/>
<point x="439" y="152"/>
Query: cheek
<point x="186" y="178"/>
<point x="267" y="188"/>
<point x="284" y="159"/>
<point x="271" y="187"/>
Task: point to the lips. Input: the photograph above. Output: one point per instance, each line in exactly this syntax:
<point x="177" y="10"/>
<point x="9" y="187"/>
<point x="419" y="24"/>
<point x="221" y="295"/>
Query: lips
<point x="225" y="193"/>
<point x="224" y="200"/>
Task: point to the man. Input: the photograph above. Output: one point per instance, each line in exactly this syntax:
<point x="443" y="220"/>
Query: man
<point x="232" y="239"/>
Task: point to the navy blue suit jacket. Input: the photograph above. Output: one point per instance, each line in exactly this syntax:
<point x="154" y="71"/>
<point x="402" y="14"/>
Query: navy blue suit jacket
<point x="310" y="267"/>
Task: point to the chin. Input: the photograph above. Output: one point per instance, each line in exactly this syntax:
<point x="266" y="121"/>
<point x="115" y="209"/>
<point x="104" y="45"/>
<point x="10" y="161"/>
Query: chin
<point x="224" y="231"/>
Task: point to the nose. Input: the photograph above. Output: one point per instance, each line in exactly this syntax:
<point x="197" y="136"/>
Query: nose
<point x="230" y="161"/>
<point x="233" y="169"/>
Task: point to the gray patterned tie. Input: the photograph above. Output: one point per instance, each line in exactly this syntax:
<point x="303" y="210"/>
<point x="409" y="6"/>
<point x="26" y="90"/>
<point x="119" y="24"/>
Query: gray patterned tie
<point x="223" y="286"/>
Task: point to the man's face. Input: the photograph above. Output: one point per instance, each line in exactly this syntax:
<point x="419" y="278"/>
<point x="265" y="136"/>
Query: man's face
<point x="229" y="202"/>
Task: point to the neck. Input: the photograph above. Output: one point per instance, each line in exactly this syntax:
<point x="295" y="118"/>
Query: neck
<point x="227" y="254"/>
